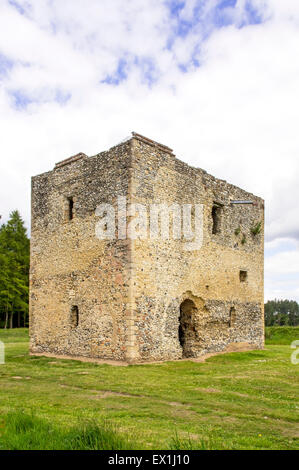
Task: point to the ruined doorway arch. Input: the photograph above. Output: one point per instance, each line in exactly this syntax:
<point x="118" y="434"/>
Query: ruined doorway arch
<point x="187" y="332"/>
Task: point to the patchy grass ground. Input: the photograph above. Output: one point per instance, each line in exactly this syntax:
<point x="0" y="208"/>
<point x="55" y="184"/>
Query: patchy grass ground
<point x="232" y="401"/>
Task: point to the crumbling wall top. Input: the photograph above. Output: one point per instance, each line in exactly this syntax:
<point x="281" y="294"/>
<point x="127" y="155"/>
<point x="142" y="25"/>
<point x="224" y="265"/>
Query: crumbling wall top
<point x="69" y="160"/>
<point x="146" y="140"/>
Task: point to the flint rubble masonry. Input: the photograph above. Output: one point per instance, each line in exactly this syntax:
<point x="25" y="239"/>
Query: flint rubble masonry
<point x="145" y="299"/>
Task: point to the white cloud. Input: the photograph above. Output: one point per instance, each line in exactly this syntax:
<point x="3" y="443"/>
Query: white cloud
<point x="282" y="269"/>
<point x="236" y="115"/>
<point x="277" y="10"/>
<point x="281" y="288"/>
<point x="283" y="263"/>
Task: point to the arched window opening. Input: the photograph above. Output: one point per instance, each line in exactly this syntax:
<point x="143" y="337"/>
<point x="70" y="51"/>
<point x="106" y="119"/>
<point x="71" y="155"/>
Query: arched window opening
<point x="186" y="326"/>
<point x="232" y="317"/>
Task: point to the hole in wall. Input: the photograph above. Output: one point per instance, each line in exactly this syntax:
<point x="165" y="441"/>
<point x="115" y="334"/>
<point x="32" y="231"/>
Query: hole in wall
<point x="243" y="276"/>
<point x="186" y="326"/>
<point x="216" y="216"/>
<point x="74" y="316"/>
<point x="232" y="317"/>
<point x="71" y="208"/>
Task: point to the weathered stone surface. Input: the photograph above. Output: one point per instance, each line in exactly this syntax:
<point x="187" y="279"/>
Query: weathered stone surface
<point x="132" y="295"/>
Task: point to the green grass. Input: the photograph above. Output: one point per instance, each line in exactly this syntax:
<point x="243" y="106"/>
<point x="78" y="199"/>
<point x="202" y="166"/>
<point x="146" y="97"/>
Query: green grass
<point x="281" y="334"/>
<point x="27" y="432"/>
<point x="231" y="401"/>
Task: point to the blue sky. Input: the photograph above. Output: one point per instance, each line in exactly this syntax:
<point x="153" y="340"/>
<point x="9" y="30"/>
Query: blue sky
<point x="215" y="80"/>
<point x="200" y="21"/>
<point x="5" y="65"/>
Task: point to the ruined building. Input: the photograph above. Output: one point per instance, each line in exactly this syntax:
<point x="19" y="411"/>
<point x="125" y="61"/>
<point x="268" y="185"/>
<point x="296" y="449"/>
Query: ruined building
<point x="145" y="297"/>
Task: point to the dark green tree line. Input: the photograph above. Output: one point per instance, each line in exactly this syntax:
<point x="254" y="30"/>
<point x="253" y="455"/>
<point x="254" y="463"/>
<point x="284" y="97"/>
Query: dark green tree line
<point x="14" y="272"/>
<point x="281" y="312"/>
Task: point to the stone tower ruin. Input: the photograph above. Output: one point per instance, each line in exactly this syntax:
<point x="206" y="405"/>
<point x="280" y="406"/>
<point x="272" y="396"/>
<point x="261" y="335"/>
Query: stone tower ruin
<point x="137" y="295"/>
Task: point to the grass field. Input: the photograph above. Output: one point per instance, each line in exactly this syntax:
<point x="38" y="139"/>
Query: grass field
<point x="281" y="334"/>
<point x="231" y="401"/>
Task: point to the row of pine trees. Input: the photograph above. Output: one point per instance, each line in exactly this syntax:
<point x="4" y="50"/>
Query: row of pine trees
<point x="14" y="281"/>
<point x="281" y="313"/>
<point x="14" y="273"/>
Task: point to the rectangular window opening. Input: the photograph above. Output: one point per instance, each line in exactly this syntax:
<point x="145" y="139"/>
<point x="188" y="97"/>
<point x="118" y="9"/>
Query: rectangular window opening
<point x="74" y="316"/>
<point x="243" y="276"/>
<point x="71" y="208"/>
<point x="216" y="216"/>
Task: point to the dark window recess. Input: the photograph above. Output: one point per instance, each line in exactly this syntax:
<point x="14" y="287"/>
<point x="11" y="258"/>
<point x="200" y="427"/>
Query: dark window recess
<point x="71" y="208"/>
<point x="243" y="276"/>
<point x="232" y="316"/>
<point x="216" y="216"/>
<point x="74" y="316"/>
<point x="187" y="331"/>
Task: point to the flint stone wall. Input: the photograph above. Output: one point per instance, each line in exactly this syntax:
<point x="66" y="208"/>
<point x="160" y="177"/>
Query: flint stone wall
<point x="129" y="292"/>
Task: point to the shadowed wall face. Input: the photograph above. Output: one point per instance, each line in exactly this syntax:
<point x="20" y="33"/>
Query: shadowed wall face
<point x="78" y="283"/>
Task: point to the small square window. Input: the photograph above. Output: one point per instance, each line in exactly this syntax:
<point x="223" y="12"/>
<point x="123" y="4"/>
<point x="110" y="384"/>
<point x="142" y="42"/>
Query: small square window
<point x="243" y="276"/>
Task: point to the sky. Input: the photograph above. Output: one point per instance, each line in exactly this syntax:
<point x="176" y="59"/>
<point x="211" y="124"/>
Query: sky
<point x="216" y="80"/>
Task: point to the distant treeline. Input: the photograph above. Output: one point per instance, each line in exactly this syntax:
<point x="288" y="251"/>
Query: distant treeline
<point x="281" y="313"/>
<point x="14" y="273"/>
<point x="14" y="281"/>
